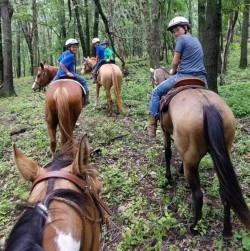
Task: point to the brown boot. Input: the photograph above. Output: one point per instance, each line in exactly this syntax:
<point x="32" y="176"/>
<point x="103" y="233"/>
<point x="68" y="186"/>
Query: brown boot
<point x="86" y="101"/>
<point x="151" y="128"/>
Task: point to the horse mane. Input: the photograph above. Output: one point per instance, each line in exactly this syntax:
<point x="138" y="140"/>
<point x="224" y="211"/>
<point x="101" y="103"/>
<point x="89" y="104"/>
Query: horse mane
<point x="27" y="233"/>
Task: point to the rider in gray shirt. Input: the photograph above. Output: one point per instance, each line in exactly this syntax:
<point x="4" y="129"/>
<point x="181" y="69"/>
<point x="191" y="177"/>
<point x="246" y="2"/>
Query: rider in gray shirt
<point x="187" y="62"/>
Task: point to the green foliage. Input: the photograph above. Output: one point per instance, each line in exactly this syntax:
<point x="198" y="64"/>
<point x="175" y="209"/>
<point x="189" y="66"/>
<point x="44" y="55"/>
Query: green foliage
<point x="237" y="97"/>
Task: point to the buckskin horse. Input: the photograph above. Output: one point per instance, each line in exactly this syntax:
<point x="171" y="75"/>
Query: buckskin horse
<point x="201" y="122"/>
<point x="45" y="73"/>
<point x="63" y="104"/>
<point x="158" y="75"/>
<point x="109" y="75"/>
<point x="64" y="210"/>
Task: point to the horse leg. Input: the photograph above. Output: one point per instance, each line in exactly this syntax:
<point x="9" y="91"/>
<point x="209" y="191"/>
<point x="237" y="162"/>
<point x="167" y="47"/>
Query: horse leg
<point x="227" y="231"/>
<point x="109" y="101"/>
<point x="168" y="155"/>
<point x="97" y="94"/>
<point x="192" y="176"/>
<point x="52" y="135"/>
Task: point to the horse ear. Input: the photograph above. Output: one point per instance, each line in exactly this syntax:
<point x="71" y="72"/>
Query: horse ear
<point x="81" y="161"/>
<point x="28" y="168"/>
<point x="42" y="66"/>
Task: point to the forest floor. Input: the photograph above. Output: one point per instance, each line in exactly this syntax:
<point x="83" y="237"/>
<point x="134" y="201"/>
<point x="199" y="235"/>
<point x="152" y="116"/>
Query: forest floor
<point x="146" y="215"/>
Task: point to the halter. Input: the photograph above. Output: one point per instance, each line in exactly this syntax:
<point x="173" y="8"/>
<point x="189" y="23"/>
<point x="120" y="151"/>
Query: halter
<point x="46" y="75"/>
<point x="83" y="184"/>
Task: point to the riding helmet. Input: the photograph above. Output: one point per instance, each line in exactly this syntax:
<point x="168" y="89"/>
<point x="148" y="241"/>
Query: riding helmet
<point x="71" y="41"/>
<point x="178" y="21"/>
<point x="105" y="41"/>
<point x="95" y="40"/>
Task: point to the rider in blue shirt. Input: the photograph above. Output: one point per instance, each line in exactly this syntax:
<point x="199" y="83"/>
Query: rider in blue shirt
<point x="187" y="62"/>
<point x="67" y="65"/>
<point x="99" y="50"/>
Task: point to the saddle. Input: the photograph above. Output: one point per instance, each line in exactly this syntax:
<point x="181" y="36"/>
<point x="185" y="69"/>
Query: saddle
<point x="180" y="85"/>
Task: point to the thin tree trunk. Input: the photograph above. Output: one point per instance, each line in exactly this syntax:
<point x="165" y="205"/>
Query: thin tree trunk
<point x="7" y="87"/>
<point x="34" y="38"/>
<point x="230" y="29"/>
<point x="244" y="36"/>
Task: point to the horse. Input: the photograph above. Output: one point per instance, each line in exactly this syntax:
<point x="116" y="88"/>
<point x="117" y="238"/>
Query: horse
<point x="63" y="105"/>
<point x="201" y="122"/>
<point x="109" y="75"/>
<point x="45" y="74"/>
<point x="64" y="210"/>
<point x="158" y="75"/>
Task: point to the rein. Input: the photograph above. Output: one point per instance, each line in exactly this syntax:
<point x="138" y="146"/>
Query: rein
<point x="83" y="185"/>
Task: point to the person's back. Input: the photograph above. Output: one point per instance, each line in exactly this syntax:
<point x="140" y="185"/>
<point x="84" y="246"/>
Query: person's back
<point x="191" y="55"/>
<point x="99" y="52"/>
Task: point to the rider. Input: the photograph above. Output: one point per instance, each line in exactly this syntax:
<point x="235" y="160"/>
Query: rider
<point x="108" y="56"/>
<point x="67" y="65"/>
<point x="99" y="50"/>
<point x="187" y="62"/>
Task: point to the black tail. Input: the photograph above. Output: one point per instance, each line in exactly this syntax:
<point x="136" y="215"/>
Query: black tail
<point x="213" y="126"/>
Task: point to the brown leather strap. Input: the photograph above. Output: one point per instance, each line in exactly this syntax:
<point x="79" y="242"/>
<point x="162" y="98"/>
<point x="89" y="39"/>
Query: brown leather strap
<point x="82" y="184"/>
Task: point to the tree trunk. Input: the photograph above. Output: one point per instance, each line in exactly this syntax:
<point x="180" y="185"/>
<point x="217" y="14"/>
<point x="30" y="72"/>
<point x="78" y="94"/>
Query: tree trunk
<point x="7" y="87"/>
<point x="211" y="41"/>
<point x="244" y="36"/>
<point x="34" y="38"/>
<point x="231" y="24"/>
<point x="18" y="50"/>
<point x="79" y="28"/>
<point x="106" y="24"/>
<point x="87" y="28"/>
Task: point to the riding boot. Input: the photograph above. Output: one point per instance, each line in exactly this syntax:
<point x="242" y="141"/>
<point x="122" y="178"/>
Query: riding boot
<point x="86" y="101"/>
<point x="151" y="128"/>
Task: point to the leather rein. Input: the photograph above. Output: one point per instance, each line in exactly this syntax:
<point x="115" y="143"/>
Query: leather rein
<point x="84" y="185"/>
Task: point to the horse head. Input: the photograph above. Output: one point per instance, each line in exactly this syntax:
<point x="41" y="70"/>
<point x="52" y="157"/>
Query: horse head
<point x="45" y="74"/>
<point x="158" y="75"/>
<point x="64" y="202"/>
<point x="88" y="64"/>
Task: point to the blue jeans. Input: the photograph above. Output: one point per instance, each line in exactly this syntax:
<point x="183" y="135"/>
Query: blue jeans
<point x="164" y="87"/>
<point x="81" y="80"/>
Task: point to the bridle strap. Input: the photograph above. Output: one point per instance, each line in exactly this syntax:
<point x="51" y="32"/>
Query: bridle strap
<point x="80" y="183"/>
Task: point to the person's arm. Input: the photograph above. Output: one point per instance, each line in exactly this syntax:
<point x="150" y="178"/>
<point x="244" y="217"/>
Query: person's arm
<point x="69" y="74"/>
<point x="175" y="62"/>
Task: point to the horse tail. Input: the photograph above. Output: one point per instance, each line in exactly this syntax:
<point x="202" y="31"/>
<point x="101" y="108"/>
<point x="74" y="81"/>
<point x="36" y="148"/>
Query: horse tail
<point x="63" y="111"/>
<point x="117" y="90"/>
<point x="214" y="131"/>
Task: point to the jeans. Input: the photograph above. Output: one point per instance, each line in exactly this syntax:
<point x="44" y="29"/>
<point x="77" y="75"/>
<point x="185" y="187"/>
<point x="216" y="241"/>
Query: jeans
<point x="164" y="87"/>
<point x="81" y="80"/>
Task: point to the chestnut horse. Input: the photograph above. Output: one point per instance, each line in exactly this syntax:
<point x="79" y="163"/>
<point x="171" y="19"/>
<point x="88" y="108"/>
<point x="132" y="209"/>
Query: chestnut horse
<point x="65" y="211"/>
<point x="158" y="75"/>
<point x="109" y="75"/>
<point x="45" y="74"/>
<point x="201" y="122"/>
<point x="63" y="105"/>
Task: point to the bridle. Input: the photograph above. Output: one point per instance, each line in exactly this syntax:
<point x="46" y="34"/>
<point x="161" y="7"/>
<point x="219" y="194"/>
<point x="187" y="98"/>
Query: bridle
<point x="44" y="72"/>
<point x="84" y="184"/>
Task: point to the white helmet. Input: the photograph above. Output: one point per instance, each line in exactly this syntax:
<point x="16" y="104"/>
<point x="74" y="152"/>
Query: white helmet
<point x="95" y="40"/>
<point x="178" y="21"/>
<point x="70" y="42"/>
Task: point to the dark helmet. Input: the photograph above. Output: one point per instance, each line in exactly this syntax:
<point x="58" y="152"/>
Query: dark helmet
<point x="178" y="21"/>
<point x="105" y="41"/>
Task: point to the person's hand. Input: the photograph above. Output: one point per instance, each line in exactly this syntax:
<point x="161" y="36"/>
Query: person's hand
<point x="171" y="72"/>
<point x="69" y="74"/>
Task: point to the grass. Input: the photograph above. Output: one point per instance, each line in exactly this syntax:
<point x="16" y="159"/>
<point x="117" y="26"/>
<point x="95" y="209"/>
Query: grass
<point x="131" y="167"/>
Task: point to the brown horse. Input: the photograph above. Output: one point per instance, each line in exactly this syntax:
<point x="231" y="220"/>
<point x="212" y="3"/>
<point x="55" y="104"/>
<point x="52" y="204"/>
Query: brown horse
<point x="45" y="74"/>
<point x="201" y="122"/>
<point x="63" y="105"/>
<point x="158" y="75"/>
<point x="109" y="75"/>
<point x="65" y="211"/>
